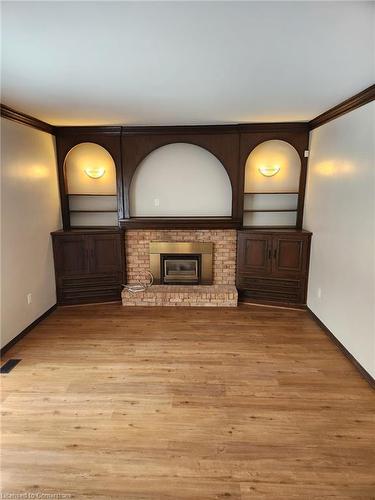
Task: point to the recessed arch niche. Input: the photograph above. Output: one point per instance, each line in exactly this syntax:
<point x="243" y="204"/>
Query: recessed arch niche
<point x="89" y="155"/>
<point x="270" y="153"/>
<point x="92" y="201"/>
<point x="272" y="201"/>
<point x="180" y="180"/>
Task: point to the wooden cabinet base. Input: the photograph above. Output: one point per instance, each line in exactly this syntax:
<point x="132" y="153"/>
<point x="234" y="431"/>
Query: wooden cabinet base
<point x="89" y="266"/>
<point x="272" y="267"/>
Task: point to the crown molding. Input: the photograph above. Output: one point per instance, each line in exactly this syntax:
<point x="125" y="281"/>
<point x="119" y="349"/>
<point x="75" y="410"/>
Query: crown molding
<point x="214" y="129"/>
<point x="89" y="130"/>
<point x="346" y="106"/>
<point x="17" y="116"/>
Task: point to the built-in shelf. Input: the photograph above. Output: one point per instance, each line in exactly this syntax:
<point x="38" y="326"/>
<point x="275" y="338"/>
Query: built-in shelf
<point x="181" y="223"/>
<point x="273" y="210"/>
<point x="273" y="228"/>
<point x="271" y="192"/>
<point x="91" y="194"/>
<point x="86" y="229"/>
<point x="270" y="209"/>
<point x="92" y="211"/>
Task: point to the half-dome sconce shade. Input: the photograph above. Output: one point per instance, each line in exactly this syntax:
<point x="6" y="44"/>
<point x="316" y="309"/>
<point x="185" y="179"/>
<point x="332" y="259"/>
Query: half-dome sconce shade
<point x="269" y="171"/>
<point x="95" y="172"/>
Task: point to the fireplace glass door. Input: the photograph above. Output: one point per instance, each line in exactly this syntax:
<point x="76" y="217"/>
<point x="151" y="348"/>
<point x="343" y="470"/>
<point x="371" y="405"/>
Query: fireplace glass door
<point x="180" y="269"/>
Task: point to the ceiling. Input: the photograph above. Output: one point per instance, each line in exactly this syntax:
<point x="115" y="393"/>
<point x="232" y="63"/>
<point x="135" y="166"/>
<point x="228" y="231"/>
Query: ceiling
<point x="170" y="63"/>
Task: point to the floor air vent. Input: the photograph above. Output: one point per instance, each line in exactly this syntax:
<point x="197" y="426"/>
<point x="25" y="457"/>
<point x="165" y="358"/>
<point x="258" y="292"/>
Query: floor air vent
<point x="9" y="365"/>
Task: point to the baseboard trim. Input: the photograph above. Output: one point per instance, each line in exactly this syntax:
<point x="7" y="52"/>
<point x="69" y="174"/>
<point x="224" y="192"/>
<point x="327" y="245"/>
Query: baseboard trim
<point x="28" y="329"/>
<point x="365" y="374"/>
<point x="271" y="305"/>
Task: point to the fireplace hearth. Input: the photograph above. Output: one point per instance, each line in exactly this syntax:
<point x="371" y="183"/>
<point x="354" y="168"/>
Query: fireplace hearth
<point x="216" y="269"/>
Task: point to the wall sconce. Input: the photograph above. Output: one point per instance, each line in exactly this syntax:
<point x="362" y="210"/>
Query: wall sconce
<point x="269" y="171"/>
<point x="95" y="172"/>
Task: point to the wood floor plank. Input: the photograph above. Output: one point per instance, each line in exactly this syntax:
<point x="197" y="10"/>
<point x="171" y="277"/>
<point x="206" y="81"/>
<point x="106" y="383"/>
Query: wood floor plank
<point x="196" y="403"/>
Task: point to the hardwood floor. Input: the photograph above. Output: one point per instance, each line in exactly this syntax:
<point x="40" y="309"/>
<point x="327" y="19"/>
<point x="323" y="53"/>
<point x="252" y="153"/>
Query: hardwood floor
<point x="184" y="403"/>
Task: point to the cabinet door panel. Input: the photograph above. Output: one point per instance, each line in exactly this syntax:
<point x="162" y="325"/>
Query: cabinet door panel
<point x="71" y="255"/>
<point x="105" y="253"/>
<point x="254" y="252"/>
<point x="290" y="255"/>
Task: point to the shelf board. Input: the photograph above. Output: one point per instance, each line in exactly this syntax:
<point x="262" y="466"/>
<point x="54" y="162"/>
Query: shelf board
<point x="90" y="194"/>
<point x="269" y="227"/>
<point x="92" y="211"/>
<point x="180" y="223"/>
<point x="272" y="192"/>
<point x="93" y="228"/>
<point x="274" y="210"/>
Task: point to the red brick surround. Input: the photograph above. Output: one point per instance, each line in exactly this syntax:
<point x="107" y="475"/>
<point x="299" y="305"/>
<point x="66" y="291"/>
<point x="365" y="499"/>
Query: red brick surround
<point x="221" y="293"/>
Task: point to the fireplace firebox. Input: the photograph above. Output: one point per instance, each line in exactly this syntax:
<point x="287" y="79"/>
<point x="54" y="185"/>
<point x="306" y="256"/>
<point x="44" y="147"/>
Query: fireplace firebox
<point x="181" y="263"/>
<point x="180" y="269"/>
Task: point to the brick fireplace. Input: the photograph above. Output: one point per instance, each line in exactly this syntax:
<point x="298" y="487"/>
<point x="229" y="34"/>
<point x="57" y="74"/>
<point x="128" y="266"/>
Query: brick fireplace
<point x="222" y="291"/>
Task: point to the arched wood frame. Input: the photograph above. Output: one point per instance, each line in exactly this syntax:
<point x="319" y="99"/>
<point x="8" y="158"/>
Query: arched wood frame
<point x="137" y="146"/>
<point x="299" y="139"/>
<point x="179" y="142"/>
<point x="69" y="137"/>
<point x="230" y="144"/>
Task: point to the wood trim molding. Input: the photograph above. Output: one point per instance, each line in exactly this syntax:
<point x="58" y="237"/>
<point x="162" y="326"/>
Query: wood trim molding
<point x="27" y="330"/>
<point x="17" y="116"/>
<point x="350" y="104"/>
<point x="180" y="223"/>
<point x="215" y="129"/>
<point x="350" y="357"/>
<point x="89" y="130"/>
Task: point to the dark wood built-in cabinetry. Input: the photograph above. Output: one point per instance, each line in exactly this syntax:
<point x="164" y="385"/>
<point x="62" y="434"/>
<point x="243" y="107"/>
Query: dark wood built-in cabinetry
<point x="89" y="265"/>
<point x="272" y="266"/>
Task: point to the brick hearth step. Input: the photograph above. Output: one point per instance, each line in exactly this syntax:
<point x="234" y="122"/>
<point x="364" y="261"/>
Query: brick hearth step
<point x="186" y="295"/>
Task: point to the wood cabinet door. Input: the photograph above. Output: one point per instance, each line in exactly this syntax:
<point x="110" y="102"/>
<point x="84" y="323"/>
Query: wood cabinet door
<point x="70" y="255"/>
<point x="254" y="253"/>
<point x="105" y="253"/>
<point x="290" y="255"/>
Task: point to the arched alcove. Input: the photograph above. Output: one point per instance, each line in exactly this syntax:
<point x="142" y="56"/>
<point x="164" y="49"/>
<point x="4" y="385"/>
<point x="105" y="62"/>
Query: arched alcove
<point x="90" y="175"/>
<point x="272" y="175"/>
<point x="88" y="155"/>
<point x="273" y="153"/>
<point x="180" y="180"/>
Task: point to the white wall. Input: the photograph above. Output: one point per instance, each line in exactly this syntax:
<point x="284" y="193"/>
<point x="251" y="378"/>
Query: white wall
<point x="180" y="180"/>
<point x="340" y="212"/>
<point x="30" y="210"/>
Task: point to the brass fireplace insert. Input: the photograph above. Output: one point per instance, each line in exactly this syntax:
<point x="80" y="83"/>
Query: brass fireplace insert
<point x="181" y="262"/>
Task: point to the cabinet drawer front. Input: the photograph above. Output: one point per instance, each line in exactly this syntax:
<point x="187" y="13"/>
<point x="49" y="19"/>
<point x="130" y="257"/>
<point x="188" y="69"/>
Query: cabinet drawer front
<point x="91" y="281"/>
<point x="273" y="289"/>
<point x="256" y="283"/>
<point x="81" y="297"/>
<point x="89" y="289"/>
<point x="275" y="296"/>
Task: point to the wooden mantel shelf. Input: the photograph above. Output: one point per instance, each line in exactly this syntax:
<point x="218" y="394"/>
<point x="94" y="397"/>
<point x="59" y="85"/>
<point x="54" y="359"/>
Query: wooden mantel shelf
<point x="180" y="223"/>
